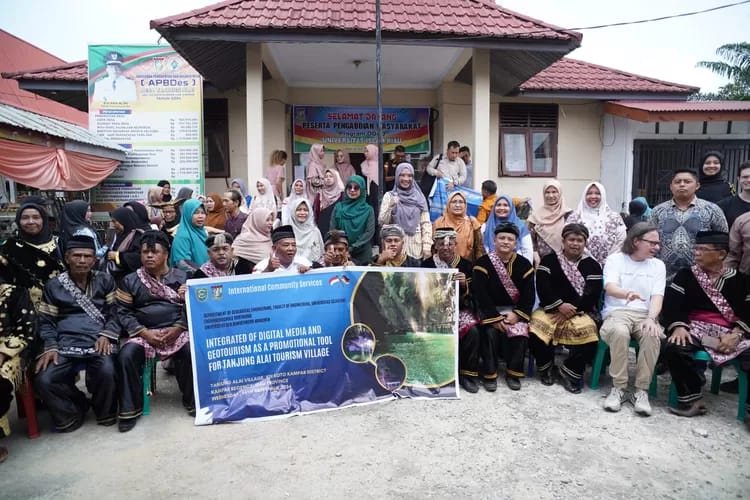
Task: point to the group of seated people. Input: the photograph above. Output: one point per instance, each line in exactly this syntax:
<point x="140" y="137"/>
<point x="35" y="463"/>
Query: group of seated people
<point x="66" y="301"/>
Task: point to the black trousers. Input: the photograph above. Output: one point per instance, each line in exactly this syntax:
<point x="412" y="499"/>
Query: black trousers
<point x="687" y="376"/>
<point x="67" y="405"/>
<point x="491" y="344"/>
<point x="578" y="356"/>
<point x="468" y="353"/>
<point x="6" y="396"/>
<point x="132" y="358"/>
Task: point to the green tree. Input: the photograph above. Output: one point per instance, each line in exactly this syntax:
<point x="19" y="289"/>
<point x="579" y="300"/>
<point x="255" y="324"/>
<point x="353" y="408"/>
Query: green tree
<point x="736" y="67"/>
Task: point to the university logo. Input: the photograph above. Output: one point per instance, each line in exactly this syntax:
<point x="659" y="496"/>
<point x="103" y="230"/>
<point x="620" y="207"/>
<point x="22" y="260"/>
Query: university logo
<point x="174" y="64"/>
<point x="201" y="294"/>
<point x="159" y="63"/>
<point x="216" y="292"/>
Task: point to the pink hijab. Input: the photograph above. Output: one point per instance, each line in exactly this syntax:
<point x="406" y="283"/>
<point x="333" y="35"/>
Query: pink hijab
<point x="254" y="242"/>
<point x="371" y="165"/>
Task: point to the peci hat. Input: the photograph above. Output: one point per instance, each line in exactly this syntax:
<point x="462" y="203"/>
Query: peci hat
<point x="113" y="57"/>
<point x="282" y="232"/>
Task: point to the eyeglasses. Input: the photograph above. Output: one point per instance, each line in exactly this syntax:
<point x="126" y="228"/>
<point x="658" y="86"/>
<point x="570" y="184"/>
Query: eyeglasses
<point x="705" y="249"/>
<point x="651" y="242"/>
<point x="353" y="187"/>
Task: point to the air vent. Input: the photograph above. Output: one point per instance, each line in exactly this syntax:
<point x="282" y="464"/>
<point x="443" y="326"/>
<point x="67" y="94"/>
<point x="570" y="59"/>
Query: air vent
<point x="528" y="115"/>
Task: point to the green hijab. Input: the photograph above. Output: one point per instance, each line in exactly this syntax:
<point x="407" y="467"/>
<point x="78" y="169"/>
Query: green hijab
<point x="190" y="241"/>
<point x="351" y="214"/>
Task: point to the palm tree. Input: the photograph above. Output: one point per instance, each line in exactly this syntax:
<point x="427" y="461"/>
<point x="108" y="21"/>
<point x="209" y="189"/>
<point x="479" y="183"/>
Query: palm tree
<point x="735" y="67"/>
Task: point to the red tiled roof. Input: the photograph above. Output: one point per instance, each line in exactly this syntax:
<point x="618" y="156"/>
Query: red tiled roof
<point x="686" y="106"/>
<point x="73" y="72"/>
<point x="565" y="75"/>
<point x="16" y="55"/>
<point x="569" y="75"/>
<point x="470" y="18"/>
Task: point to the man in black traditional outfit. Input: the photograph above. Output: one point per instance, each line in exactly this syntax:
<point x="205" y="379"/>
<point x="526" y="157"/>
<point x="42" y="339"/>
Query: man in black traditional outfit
<point x="221" y="259"/>
<point x="78" y="323"/>
<point x="503" y="289"/>
<point x="153" y="315"/>
<point x="707" y="307"/>
<point x="569" y="285"/>
<point x="392" y="252"/>
<point x="446" y="257"/>
<point x="335" y="250"/>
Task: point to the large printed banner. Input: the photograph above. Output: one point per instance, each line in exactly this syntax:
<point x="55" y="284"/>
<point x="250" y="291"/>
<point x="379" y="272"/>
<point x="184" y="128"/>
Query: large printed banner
<point x="150" y="101"/>
<point x="353" y="128"/>
<point x="268" y="345"/>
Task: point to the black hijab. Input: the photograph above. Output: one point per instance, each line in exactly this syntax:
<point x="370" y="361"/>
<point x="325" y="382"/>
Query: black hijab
<point x="73" y="218"/>
<point x="164" y="197"/>
<point x="45" y="235"/>
<point x="714" y="188"/>
<point x="141" y="215"/>
<point x="129" y="222"/>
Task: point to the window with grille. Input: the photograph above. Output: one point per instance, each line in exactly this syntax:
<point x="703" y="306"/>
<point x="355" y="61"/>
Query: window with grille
<point x="528" y="139"/>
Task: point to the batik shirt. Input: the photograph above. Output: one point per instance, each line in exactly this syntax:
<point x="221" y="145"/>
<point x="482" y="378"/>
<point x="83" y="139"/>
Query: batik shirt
<point x="678" y="228"/>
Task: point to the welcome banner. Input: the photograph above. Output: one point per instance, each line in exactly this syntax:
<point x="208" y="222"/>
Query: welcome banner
<point x="352" y="128"/>
<point x="269" y="346"/>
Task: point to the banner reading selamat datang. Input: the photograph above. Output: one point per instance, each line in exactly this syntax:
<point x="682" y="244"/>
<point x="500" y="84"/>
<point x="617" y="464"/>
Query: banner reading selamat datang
<point x="352" y="128"/>
<point x="150" y="101"/>
<point x="271" y="345"/>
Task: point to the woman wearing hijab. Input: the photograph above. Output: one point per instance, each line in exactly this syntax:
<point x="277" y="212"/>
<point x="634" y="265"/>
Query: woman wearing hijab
<point x="125" y="255"/>
<point x="407" y="207"/>
<point x="166" y="191"/>
<point x="370" y="168"/>
<point x="504" y="210"/>
<point x="713" y="179"/>
<point x="355" y="217"/>
<point x="215" y="214"/>
<point x="184" y="194"/>
<point x="469" y="231"/>
<point x="333" y="191"/>
<point x="606" y="227"/>
<point x="307" y="234"/>
<point x="343" y="164"/>
<point x="253" y="244"/>
<point x="33" y="256"/>
<point x="297" y="192"/>
<point x="141" y="215"/>
<point x="170" y="213"/>
<point x="239" y="186"/>
<point x="265" y="197"/>
<point x="75" y="222"/>
<point x="315" y="170"/>
<point x="546" y="223"/>
<point x="155" y="203"/>
<point x="189" y="251"/>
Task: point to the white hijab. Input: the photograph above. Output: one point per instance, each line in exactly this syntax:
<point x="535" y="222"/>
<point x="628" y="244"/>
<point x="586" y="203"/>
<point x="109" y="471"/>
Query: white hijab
<point x="266" y="200"/>
<point x="307" y="234"/>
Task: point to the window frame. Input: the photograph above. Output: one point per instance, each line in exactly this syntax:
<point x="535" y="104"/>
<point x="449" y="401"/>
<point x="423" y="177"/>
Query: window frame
<point x="528" y="132"/>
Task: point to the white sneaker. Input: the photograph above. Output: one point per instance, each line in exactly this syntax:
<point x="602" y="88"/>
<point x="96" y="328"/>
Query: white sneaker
<point x="641" y="404"/>
<point x="614" y="400"/>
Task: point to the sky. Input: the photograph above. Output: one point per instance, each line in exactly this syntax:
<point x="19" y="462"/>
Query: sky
<point x="667" y="50"/>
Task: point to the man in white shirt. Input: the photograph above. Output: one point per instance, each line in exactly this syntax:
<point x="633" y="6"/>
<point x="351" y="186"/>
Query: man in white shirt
<point x="634" y="283"/>
<point x="283" y="258"/>
<point x="115" y="87"/>
<point x="449" y="166"/>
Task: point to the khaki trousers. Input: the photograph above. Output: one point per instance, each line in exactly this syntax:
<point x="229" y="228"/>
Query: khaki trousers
<point x="617" y="331"/>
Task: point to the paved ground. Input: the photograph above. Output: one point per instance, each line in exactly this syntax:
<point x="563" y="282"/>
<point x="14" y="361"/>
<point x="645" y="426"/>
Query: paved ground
<point x="539" y="443"/>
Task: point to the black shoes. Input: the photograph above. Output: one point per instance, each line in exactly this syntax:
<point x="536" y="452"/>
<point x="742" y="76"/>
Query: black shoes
<point x="72" y="427"/>
<point x="490" y="384"/>
<point x="125" y="425"/>
<point x="513" y="383"/>
<point x="469" y="384"/>
<point x="571" y="385"/>
<point x="546" y="376"/>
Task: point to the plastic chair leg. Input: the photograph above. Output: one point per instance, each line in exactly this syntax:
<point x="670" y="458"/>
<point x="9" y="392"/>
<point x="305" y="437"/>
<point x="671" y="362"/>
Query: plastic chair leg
<point x="596" y="369"/>
<point x="27" y="405"/>
<point x="149" y="383"/>
<point x="742" y="396"/>
<point x="716" y="379"/>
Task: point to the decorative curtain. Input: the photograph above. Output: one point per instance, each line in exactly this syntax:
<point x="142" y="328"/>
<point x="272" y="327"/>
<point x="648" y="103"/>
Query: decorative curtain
<point x="42" y="167"/>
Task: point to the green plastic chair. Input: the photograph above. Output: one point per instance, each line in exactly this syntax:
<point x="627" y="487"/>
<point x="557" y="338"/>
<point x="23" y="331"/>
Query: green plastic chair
<point x="716" y="383"/>
<point x="149" y="383"/>
<point x="596" y="370"/>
